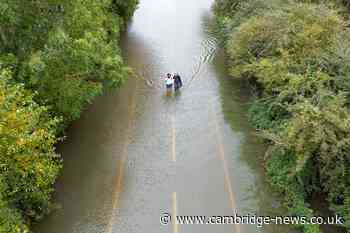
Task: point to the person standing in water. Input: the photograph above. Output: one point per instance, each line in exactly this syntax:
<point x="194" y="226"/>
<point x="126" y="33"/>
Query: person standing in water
<point x="169" y="81"/>
<point x="177" y="82"/>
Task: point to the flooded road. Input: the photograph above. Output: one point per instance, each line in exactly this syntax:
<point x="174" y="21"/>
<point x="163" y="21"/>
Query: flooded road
<point x="138" y="153"/>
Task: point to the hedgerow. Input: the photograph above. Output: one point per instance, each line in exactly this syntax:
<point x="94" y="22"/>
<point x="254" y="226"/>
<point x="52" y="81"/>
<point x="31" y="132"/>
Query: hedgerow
<point x="55" y="58"/>
<point x="296" y="52"/>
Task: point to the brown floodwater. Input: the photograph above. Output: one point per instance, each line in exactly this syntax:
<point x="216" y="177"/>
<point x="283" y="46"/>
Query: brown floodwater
<point x="138" y="152"/>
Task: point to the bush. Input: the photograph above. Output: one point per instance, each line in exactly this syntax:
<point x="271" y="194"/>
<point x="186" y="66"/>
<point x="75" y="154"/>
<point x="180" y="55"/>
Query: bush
<point x="269" y="51"/>
<point x="232" y="13"/>
<point x="79" y="57"/>
<point x="268" y="115"/>
<point x="124" y="8"/>
<point x="10" y="220"/>
<point x="280" y="168"/>
<point x="55" y="58"/>
<point x="29" y="165"/>
<point x="297" y="54"/>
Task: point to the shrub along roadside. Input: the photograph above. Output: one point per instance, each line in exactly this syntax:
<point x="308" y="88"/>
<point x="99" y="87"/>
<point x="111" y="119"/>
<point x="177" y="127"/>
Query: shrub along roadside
<point x="28" y="163"/>
<point x="55" y="58"/>
<point x="296" y="53"/>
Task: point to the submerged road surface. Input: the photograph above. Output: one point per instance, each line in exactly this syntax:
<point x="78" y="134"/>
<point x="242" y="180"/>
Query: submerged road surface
<point x="138" y="153"/>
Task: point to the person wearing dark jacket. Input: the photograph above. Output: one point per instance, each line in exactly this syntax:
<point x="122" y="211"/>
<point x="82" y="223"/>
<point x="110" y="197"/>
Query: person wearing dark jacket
<point x="177" y="81"/>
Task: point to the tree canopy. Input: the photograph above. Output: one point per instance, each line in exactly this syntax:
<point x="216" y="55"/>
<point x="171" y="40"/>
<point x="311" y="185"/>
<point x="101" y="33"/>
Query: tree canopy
<point x="55" y="58"/>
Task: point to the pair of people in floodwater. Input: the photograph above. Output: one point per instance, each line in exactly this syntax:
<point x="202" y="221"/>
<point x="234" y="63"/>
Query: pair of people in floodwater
<point x="173" y="81"/>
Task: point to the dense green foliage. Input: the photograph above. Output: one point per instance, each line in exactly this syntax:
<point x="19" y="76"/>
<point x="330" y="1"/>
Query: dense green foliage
<point x="28" y="164"/>
<point x="65" y="50"/>
<point x="55" y="57"/>
<point x="296" y="53"/>
<point x="124" y="8"/>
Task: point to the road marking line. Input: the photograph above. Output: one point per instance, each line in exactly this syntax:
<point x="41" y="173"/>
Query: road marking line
<point x="119" y="186"/>
<point x="226" y="170"/>
<point x="175" y="226"/>
<point x="173" y="135"/>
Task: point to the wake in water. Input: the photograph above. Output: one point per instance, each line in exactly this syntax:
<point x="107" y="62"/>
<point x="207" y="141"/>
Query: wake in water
<point x="209" y="48"/>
